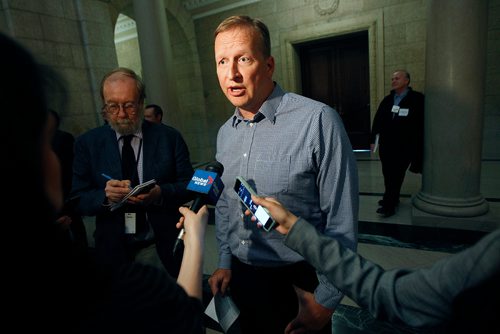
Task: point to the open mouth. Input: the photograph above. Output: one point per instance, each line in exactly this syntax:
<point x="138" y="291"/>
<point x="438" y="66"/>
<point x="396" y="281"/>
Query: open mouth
<point x="236" y="91"/>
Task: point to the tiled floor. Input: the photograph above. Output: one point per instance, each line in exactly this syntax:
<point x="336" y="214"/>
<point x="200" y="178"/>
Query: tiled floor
<point x="382" y="240"/>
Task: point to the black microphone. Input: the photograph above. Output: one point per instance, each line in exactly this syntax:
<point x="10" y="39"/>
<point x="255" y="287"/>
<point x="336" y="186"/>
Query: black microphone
<point x="208" y="186"/>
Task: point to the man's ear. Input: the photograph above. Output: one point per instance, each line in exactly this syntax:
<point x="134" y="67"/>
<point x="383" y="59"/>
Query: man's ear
<point x="270" y="65"/>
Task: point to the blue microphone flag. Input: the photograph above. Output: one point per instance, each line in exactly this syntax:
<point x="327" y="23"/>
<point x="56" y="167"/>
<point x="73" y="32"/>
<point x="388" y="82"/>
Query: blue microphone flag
<point x="208" y="183"/>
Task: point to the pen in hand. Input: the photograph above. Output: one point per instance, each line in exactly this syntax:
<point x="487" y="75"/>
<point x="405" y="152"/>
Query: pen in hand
<point x="106" y="176"/>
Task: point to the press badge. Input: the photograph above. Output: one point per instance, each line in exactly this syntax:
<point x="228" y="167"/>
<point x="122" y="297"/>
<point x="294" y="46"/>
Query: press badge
<point x="404" y="112"/>
<point x="395" y="109"/>
<point x="129" y="222"/>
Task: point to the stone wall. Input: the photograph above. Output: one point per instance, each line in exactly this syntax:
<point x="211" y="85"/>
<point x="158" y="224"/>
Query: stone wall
<point x="77" y="38"/>
<point x="74" y="37"/>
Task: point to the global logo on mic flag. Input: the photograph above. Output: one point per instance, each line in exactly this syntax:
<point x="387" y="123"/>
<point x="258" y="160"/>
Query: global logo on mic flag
<point x="208" y="183"/>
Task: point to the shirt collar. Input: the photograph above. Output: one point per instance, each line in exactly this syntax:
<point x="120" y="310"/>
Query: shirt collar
<point x="138" y="134"/>
<point x="267" y="110"/>
<point x="403" y="94"/>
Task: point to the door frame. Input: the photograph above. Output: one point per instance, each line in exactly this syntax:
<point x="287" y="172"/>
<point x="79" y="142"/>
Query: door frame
<point x="373" y="22"/>
<point x="335" y="71"/>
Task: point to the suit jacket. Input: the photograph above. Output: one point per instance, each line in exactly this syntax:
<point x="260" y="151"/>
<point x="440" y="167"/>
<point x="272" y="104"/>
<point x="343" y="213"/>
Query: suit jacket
<point x="402" y="136"/>
<point x="165" y="158"/>
<point x="62" y="144"/>
<point x="424" y="297"/>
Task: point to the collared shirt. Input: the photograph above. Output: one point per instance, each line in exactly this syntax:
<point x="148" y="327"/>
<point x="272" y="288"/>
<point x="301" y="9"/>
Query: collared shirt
<point x="136" y="143"/>
<point x="296" y="150"/>
<point x="398" y="98"/>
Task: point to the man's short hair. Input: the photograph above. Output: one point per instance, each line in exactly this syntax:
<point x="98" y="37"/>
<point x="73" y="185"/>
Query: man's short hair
<point x="242" y="21"/>
<point x="141" y="88"/>
<point x="157" y="110"/>
<point x="406" y="73"/>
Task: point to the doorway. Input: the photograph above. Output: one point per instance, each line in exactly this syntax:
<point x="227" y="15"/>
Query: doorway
<point x="335" y="71"/>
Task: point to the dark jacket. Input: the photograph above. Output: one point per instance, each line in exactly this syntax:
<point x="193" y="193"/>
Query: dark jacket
<point x="402" y="134"/>
<point x="62" y="144"/>
<point x="165" y="158"/>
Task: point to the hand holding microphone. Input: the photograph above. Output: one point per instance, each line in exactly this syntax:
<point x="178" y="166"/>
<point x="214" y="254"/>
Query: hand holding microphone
<point x="208" y="186"/>
<point x="194" y="224"/>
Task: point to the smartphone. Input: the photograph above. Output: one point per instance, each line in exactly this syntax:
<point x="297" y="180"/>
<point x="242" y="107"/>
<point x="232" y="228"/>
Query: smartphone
<point x="245" y="192"/>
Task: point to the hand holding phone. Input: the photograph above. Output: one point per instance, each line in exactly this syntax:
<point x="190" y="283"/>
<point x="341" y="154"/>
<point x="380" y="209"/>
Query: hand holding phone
<point x="245" y="192"/>
<point x="70" y="206"/>
<point x="282" y="216"/>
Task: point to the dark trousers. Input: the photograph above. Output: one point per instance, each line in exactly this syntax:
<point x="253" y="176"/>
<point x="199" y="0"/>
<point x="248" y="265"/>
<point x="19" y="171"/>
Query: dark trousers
<point x="394" y="167"/>
<point x="266" y="297"/>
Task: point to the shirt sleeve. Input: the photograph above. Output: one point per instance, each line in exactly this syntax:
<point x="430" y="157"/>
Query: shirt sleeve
<point x="221" y="232"/>
<point x="337" y="181"/>
<point x="415" y="297"/>
<point x="222" y="220"/>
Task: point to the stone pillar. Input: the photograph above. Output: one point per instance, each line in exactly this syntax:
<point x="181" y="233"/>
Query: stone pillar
<point x="454" y="93"/>
<point x="156" y="57"/>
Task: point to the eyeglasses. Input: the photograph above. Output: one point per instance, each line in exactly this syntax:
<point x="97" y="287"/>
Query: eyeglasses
<point x="114" y="108"/>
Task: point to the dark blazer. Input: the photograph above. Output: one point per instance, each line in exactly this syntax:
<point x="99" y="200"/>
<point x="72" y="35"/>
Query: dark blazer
<point x="402" y="135"/>
<point x="62" y="144"/>
<point x="165" y="158"/>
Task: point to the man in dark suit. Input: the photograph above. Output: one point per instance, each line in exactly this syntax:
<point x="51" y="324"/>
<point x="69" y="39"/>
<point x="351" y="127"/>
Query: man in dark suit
<point x="399" y="123"/>
<point x="71" y="224"/>
<point x="153" y="113"/>
<point x="142" y="230"/>
<point x="62" y="144"/>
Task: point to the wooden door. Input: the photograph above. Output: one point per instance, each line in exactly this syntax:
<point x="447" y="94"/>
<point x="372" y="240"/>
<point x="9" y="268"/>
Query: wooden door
<point x="335" y="71"/>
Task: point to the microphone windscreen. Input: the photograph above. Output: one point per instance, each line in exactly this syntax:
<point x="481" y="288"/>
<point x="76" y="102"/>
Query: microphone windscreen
<point x="207" y="184"/>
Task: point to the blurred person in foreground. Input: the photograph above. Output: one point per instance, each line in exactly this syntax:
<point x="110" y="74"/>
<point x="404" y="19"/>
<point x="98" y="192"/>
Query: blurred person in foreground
<point x="71" y="223"/>
<point x="457" y="294"/>
<point x="46" y="288"/>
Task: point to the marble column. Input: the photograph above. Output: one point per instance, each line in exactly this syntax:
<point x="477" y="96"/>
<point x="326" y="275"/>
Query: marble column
<point x="156" y="57"/>
<point x="454" y="93"/>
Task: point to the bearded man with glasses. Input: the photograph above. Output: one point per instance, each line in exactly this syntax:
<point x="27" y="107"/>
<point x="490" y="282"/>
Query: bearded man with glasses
<point x="111" y="159"/>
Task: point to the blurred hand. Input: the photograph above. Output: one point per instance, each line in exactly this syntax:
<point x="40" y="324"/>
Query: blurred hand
<point x="219" y="281"/>
<point x="311" y="316"/>
<point x="64" y="222"/>
<point x="194" y="224"/>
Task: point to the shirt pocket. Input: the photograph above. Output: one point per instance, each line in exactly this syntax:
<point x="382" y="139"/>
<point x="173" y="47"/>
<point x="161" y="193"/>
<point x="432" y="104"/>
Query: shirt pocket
<point x="271" y="174"/>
